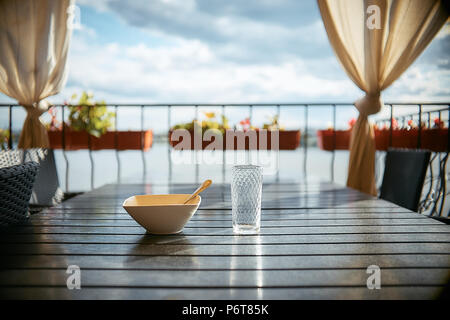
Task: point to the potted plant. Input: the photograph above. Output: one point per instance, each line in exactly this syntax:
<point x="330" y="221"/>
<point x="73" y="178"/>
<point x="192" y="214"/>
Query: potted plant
<point x="200" y="127"/>
<point x="382" y="135"/>
<point x="288" y="139"/>
<point x="331" y="139"/>
<point x="87" y="128"/>
<point x="435" y="138"/>
<point x="4" y="138"/>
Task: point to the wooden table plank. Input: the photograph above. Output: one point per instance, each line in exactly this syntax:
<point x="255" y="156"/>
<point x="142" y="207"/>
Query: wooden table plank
<point x="189" y="231"/>
<point x="316" y="241"/>
<point x="279" y="211"/>
<point x="124" y="293"/>
<point x="227" y="239"/>
<point x="96" y="262"/>
<point x="228" y="223"/>
<point x="226" y="278"/>
<point x="215" y="249"/>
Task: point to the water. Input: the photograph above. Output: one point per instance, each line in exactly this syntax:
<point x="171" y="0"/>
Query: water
<point x="290" y="169"/>
<point x="246" y="189"/>
<point x="107" y="162"/>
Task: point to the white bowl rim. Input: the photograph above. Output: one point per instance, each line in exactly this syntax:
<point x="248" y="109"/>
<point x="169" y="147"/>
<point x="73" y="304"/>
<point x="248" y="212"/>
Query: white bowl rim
<point x="162" y="205"/>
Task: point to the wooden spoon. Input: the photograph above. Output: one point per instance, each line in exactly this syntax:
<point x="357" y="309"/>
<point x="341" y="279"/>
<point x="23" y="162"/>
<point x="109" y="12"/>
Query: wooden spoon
<point x="204" y="186"/>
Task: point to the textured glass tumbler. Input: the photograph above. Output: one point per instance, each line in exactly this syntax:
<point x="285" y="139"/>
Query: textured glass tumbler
<point x="246" y="188"/>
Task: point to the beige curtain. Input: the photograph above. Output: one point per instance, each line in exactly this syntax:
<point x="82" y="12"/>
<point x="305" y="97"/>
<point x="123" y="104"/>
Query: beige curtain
<point x="34" y="41"/>
<point x="374" y="58"/>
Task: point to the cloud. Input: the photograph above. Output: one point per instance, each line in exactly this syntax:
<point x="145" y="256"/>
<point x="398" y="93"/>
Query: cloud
<point x="248" y="31"/>
<point x="191" y="70"/>
<point x="227" y="51"/>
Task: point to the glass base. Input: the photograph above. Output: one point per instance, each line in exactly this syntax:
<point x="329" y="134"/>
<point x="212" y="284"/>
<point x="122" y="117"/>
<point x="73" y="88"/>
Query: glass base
<point x="245" y="229"/>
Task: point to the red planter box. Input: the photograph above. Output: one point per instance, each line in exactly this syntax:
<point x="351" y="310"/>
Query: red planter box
<point x="78" y="140"/>
<point x="381" y="139"/>
<point x="288" y="140"/>
<point x="431" y="139"/>
<point x="435" y="139"/>
<point x="326" y="139"/>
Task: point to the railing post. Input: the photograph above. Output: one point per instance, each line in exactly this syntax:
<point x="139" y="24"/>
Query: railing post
<point x="144" y="165"/>
<point x="448" y="126"/>
<point x="90" y="150"/>
<point x="223" y="149"/>
<point x="116" y="143"/>
<point x="333" y="155"/>
<point x="278" y="164"/>
<point x="169" y="108"/>
<point x="305" y="143"/>
<point x="247" y="152"/>
<point x="419" y="136"/>
<point x="390" y="126"/>
<point x="197" y="167"/>
<point x="10" y="138"/>
<point x="63" y="146"/>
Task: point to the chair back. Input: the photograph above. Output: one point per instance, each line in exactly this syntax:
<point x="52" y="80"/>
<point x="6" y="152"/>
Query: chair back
<point x="404" y="175"/>
<point x="16" y="184"/>
<point x="46" y="190"/>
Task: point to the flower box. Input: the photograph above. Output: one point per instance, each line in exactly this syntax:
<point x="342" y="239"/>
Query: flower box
<point x="326" y="139"/>
<point x="400" y="139"/>
<point x="381" y="139"/>
<point x="435" y="139"/>
<point x="78" y="140"/>
<point x="288" y="140"/>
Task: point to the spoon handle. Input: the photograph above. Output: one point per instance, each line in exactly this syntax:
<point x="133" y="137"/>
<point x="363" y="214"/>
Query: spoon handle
<point x="204" y="185"/>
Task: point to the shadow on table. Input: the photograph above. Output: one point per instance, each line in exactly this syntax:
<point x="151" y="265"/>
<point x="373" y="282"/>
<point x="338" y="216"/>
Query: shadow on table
<point x="159" y="251"/>
<point x="322" y="196"/>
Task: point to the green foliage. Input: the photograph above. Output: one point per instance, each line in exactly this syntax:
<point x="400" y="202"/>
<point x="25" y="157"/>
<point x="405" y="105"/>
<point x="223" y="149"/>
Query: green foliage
<point x="273" y="124"/>
<point x="209" y="124"/>
<point x="89" y="115"/>
<point x="4" y="137"/>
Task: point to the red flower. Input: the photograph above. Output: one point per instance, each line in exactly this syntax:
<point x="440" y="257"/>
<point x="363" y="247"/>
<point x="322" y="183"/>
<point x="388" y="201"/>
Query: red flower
<point x="438" y="123"/>
<point x="245" y="121"/>
<point x="52" y="111"/>
<point x="352" y="122"/>
<point x="394" y="123"/>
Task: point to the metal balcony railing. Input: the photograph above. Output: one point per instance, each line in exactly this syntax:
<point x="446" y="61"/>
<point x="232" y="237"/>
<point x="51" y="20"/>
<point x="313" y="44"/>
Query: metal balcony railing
<point x="419" y="112"/>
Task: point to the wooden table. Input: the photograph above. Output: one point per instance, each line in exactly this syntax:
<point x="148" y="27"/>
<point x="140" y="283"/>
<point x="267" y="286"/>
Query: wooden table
<point x="316" y="241"/>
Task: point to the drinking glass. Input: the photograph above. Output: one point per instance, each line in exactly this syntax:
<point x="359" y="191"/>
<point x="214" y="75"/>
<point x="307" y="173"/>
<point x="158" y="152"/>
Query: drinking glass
<point x="246" y="188"/>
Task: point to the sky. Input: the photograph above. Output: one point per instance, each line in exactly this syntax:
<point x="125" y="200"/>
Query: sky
<point x="216" y="51"/>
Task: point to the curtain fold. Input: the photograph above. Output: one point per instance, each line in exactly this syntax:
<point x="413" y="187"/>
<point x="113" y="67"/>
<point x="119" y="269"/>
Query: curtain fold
<point x="374" y="58"/>
<point x="34" y="42"/>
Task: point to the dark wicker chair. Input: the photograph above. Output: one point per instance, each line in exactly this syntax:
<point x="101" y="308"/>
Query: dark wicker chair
<point x="46" y="190"/>
<point x="16" y="184"/>
<point x="404" y="175"/>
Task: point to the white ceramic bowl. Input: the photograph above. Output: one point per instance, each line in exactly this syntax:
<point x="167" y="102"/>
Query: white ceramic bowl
<point x="161" y="213"/>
